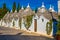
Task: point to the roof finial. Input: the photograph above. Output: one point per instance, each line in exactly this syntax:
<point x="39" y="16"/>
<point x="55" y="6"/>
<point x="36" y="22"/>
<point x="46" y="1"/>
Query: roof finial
<point x="15" y="10"/>
<point x="38" y="8"/>
<point x="43" y="4"/>
<point x="22" y="7"/>
<point x="28" y="5"/>
<point x="11" y="10"/>
<point x="53" y="9"/>
<point x="7" y="11"/>
<point x="50" y="7"/>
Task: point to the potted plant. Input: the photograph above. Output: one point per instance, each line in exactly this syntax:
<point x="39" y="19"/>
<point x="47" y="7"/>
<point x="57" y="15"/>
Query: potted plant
<point x="58" y="29"/>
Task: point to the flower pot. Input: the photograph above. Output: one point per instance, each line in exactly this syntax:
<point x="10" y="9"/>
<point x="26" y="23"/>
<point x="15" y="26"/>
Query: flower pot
<point x="57" y="37"/>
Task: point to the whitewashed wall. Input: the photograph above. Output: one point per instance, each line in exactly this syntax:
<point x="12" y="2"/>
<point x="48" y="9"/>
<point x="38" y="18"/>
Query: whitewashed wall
<point x="52" y="30"/>
<point x="59" y="6"/>
<point x="11" y="23"/>
<point x="41" y="25"/>
<point x="17" y="23"/>
<point x="3" y="23"/>
<point x="32" y="25"/>
<point x="6" y="24"/>
<point x="22" y="25"/>
<point x="0" y="23"/>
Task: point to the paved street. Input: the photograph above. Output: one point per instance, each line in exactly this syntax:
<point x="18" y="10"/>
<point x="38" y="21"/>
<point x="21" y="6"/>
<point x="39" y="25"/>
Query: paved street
<point x="13" y="34"/>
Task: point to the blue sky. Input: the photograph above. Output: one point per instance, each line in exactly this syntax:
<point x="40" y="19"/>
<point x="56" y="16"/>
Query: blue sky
<point x="33" y="3"/>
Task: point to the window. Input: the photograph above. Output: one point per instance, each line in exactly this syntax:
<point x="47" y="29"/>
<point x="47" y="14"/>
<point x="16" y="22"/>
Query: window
<point x="42" y="20"/>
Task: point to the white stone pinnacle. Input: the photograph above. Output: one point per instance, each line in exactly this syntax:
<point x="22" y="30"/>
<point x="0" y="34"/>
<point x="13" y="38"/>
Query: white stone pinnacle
<point x="38" y="8"/>
<point x="28" y="5"/>
<point x="15" y="10"/>
<point x="11" y="10"/>
<point x="7" y="11"/>
<point x="50" y="7"/>
<point x="53" y="9"/>
<point x="22" y="7"/>
<point x="43" y="4"/>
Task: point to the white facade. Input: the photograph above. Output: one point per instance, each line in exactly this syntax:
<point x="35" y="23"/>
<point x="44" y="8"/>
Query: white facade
<point x="11" y="23"/>
<point x="0" y="22"/>
<point x="59" y="6"/>
<point x="22" y="25"/>
<point x="17" y="23"/>
<point x="7" y="24"/>
<point x="3" y="23"/>
<point x="41" y="20"/>
<point x="41" y="24"/>
<point x="41" y="27"/>
<point x="32" y="26"/>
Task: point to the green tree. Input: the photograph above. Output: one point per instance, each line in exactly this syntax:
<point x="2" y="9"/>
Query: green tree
<point x="4" y="10"/>
<point x="18" y="8"/>
<point x="20" y="21"/>
<point x="13" y="23"/>
<point x="0" y="13"/>
<point x="24" y="7"/>
<point x="36" y="10"/>
<point x="49" y="27"/>
<point x="58" y="26"/>
<point x="14" y="7"/>
<point x="28" y="21"/>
